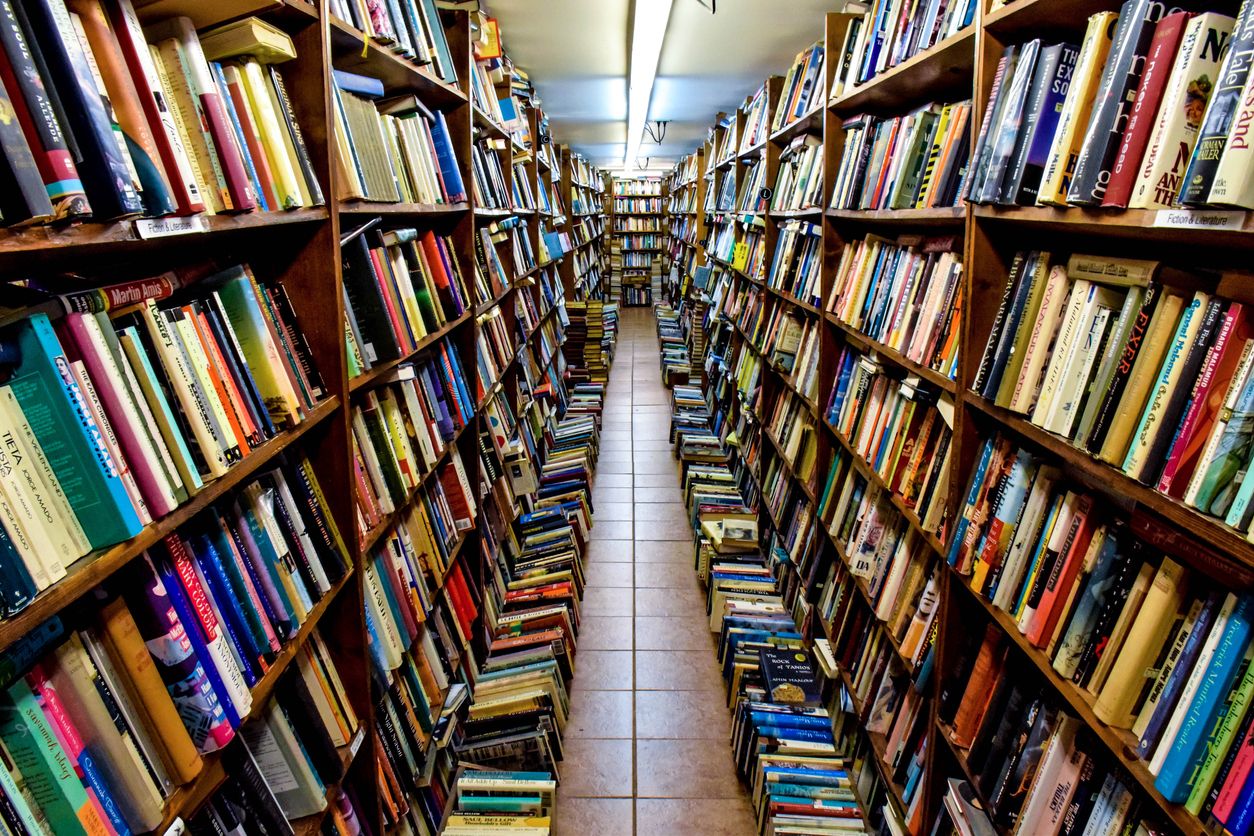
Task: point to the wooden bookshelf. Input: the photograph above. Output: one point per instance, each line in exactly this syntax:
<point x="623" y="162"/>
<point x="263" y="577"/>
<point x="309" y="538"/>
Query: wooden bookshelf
<point x="301" y="250"/>
<point x="958" y="68"/>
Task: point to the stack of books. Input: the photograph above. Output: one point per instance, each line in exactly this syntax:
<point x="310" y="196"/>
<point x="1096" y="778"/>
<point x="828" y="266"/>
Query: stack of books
<point x="1140" y="125"/>
<point x="583" y="347"/>
<point x="486" y="801"/>
<point x="208" y="122"/>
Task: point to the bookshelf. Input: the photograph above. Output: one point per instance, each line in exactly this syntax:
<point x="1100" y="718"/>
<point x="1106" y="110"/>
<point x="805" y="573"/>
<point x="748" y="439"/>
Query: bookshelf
<point x="302" y="251"/>
<point x="723" y="305"/>
<point x="638" y="217"/>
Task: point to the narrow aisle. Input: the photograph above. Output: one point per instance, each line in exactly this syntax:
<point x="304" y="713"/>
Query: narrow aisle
<point x="647" y="747"/>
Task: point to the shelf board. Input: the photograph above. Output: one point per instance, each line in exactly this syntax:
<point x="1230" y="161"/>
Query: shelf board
<point x="892" y="355"/>
<point x="1118" y="223"/>
<point x="921" y="78"/>
<point x="122" y="236"/>
<point x="937" y="216"/>
<point x="367" y="207"/>
<point x="788" y="214"/>
<point x="354" y="50"/>
<point x="378" y="371"/>
<point x="1036" y="17"/>
<point x="811" y="120"/>
<point x="207" y="15"/>
<point x="88" y="572"/>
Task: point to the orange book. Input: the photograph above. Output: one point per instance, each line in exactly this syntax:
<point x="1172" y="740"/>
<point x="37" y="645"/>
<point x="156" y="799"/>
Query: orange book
<point x="975" y="699"/>
<point x="252" y="432"/>
<point x="125" y="645"/>
<point x="215" y="376"/>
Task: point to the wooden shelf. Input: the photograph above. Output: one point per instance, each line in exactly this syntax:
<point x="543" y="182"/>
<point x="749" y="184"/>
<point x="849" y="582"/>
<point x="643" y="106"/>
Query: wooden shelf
<point x="792" y="214"/>
<point x="81" y="240"/>
<point x="1138" y="224"/>
<point x="366" y="207"/>
<point x="89" y="572"/>
<point x="892" y="355"/>
<point x="1120" y="743"/>
<point x="355" y="51"/>
<point x="1237" y="570"/>
<point x="940" y="216"/>
<point x="932" y="74"/>
<point x="806" y="123"/>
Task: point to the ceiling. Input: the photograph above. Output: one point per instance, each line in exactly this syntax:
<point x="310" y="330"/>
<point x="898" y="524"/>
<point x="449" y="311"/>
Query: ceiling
<point x="576" y="52"/>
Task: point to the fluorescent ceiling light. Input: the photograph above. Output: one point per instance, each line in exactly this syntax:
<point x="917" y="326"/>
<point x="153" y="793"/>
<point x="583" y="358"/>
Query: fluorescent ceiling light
<point x="648" y="30"/>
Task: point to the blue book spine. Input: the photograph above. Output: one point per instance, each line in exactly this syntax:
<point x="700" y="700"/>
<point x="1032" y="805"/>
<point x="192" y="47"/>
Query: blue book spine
<point x="229" y="104"/>
<point x="1241" y="819"/>
<point x="229" y="605"/>
<point x="360" y="84"/>
<point x="192" y="628"/>
<point x="1184" y="665"/>
<point x="447" y="160"/>
<point x="1179" y="771"/>
<point x="17" y="589"/>
<point x="95" y="782"/>
<point x="376" y="651"/>
<point x="973" y="493"/>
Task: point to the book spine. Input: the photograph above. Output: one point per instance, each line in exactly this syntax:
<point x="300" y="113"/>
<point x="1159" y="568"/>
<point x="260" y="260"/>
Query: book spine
<point x="1221" y="111"/>
<point x="1123" y="370"/>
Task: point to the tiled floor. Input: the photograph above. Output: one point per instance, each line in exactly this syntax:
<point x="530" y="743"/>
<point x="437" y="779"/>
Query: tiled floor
<point x="647" y="747"/>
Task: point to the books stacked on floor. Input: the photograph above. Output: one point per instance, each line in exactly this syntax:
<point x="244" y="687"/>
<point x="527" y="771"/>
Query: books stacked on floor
<point x="401" y="287"/>
<point x="882" y="39"/>
<point x="1176" y="142"/>
<point x="392" y="149"/>
<point x="583" y="348"/>
<point x="914" y="161"/>
<point x="487" y="801"/>
<point x="1146" y="366"/>
<point x="117" y="415"/>
<point x="905" y="294"/>
<point x="208" y="124"/>
<point x="412" y="29"/>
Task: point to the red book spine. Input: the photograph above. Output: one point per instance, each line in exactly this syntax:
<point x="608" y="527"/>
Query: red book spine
<point x="1064" y="576"/>
<point x="252" y="137"/>
<point x="1162" y="53"/>
<point x="237" y="182"/>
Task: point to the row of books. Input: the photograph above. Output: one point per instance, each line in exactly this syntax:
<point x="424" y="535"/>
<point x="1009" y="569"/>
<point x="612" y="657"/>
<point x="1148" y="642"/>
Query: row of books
<point x="757" y="121"/>
<point x="791" y="426"/>
<point x="411" y="28"/>
<point x="752" y="196"/>
<point x="905" y="294"/>
<point x="633" y="224"/>
<point x="782" y="739"/>
<point x="1147" y="121"/>
<point x="795" y="265"/>
<point x="491" y="801"/>
<point x="648" y="187"/>
<point x="791" y="512"/>
<point x="1147" y="372"/>
<point x="637" y="241"/>
<point x="392" y="149"/>
<point x="208" y="124"/>
<point x="495" y="349"/>
<point x="914" y="161"/>
<point x="117" y="414"/>
<point x="890" y="32"/>
<point x="161" y="675"/>
<point x="489" y="189"/>
<point x="902" y="429"/>
<point x="637" y="205"/>
<point x="803" y="87"/>
<point x="799" y="182"/>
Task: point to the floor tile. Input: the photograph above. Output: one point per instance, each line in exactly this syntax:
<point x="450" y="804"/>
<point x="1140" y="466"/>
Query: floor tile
<point x="677" y="670"/>
<point x="610" y="574"/>
<point x="601" y="714"/>
<point x="659" y="495"/>
<point x="604" y="670"/>
<point x="698" y="715"/>
<point x="610" y="551"/>
<point x="606" y="632"/>
<point x="671" y="529"/>
<point x="601" y="493"/>
<point x="695" y="817"/>
<point x="611" y="530"/>
<point x="664" y="601"/>
<point x="684" y="768"/>
<point x="620" y="466"/>
<point x="613" y="511"/>
<point x="663" y="551"/>
<point x="582" y="816"/>
<point x="672" y="632"/>
<point x="608" y="600"/>
<point x="679" y="576"/>
<point x="662" y="511"/>
<point x="657" y="480"/>
<point x="613" y="480"/>
<point x="596" y="768"/>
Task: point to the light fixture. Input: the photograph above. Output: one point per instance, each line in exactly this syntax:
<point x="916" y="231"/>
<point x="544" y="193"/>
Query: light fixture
<point x="648" y="30"/>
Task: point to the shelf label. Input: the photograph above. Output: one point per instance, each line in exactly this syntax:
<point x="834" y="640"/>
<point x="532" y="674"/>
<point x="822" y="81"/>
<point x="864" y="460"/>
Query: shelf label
<point x="1230" y="219"/>
<point x="147" y="228"/>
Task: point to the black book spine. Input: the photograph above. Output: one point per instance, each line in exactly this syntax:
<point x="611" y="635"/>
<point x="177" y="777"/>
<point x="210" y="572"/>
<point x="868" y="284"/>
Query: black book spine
<point x="262" y="805"/>
<point x="1085" y="797"/>
<point x="979" y="160"/>
<point x="23" y="198"/>
<point x="1112" y="605"/>
<point x="1115" y="97"/>
<point x="999" y="323"/>
<point x="298" y="139"/>
<point x="105" y="173"/>
<point x="1183" y="391"/>
<point x="1225" y="102"/>
<point x="1032" y="271"/>
<point x="367" y="303"/>
<point x="298" y="706"/>
<point x="296" y="336"/>
<point x="1042" y="82"/>
<point x="1009" y="123"/>
<point x="1110" y="404"/>
<point x="1019" y="740"/>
